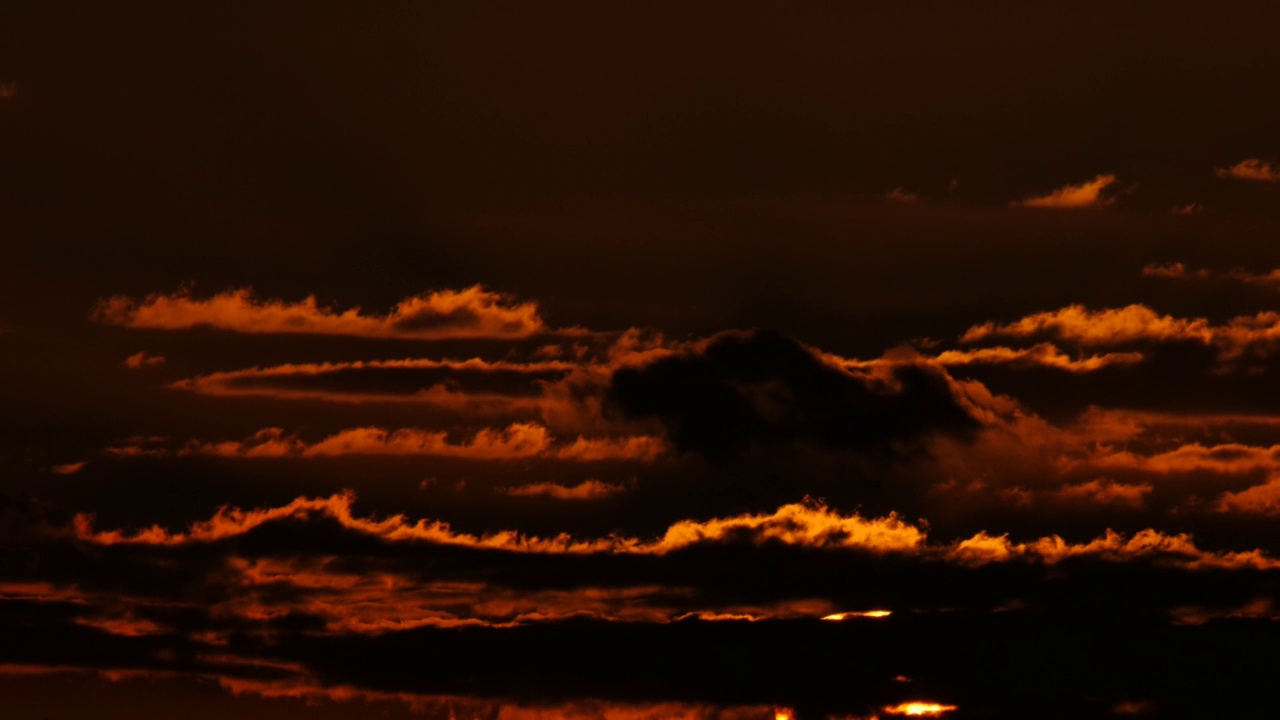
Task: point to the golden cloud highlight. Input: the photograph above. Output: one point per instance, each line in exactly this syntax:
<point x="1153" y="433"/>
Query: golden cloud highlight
<point x="809" y="524"/>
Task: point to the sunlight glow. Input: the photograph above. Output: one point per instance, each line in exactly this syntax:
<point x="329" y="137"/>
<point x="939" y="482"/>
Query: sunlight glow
<point x="866" y="613"/>
<point x="921" y="709"/>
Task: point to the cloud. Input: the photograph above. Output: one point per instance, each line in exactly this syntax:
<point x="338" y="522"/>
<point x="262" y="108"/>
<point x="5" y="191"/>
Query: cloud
<point x="1075" y="323"/>
<point x="1240" y="338"/>
<point x="1087" y="194"/>
<point x="1226" y="458"/>
<point x="69" y="468"/>
<point x="1263" y="499"/>
<point x="1179" y="271"/>
<point x="899" y="195"/>
<point x="1045" y="355"/>
<point x="585" y="490"/>
<point x="472" y="312"/>
<point x="139" y="360"/>
<point x="515" y="441"/>
<point x="1105" y="492"/>
<point x="1250" y="169"/>
<point x="739" y="390"/>
<point x="810" y="525"/>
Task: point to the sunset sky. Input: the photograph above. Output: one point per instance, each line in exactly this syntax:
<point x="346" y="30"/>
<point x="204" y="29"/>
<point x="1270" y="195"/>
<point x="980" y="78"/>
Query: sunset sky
<point x="630" y="361"/>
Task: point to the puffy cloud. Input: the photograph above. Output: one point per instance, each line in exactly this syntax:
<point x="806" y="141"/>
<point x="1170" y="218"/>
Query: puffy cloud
<point x="1263" y="499"/>
<point x="472" y="312"/>
<point x="1250" y="169"/>
<point x="1086" y="194"/>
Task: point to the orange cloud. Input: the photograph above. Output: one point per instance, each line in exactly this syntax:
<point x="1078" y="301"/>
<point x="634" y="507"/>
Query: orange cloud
<point x="809" y="524"/>
<point x="1076" y="323"/>
<point x="139" y="360"/>
<point x="124" y="626"/>
<point x="1179" y="271"/>
<point x="585" y="490"/>
<point x="1105" y="492"/>
<point x="899" y="195"/>
<point x="1241" y="336"/>
<point x="517" y="440"/>
<point x="1263" y="499"/>
<point x="472" y="312"/>
<point x="352" y="601"/>
<point x="69" y="468"/>
<point x="1087" y="194"/>
<point x="1226" y="458"/>
<point x="1176" y="270"/>
<point x="1039" y="355"/>
<point x="1251" y="169"/>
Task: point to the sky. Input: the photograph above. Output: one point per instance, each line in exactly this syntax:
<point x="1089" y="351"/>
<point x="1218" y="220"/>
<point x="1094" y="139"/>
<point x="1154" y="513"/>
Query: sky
<point x="597" y="361"/>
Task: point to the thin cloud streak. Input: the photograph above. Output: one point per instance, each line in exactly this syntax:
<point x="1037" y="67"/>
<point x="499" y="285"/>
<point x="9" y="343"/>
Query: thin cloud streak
<point x="1086" y="194"/>
<point x="472" y="312"/>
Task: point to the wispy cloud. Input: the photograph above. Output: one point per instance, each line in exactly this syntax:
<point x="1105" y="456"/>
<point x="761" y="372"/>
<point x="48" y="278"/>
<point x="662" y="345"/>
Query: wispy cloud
<point x="1235" y="340"/>
<point x="808" y="525"/>
<point x="518" y="440"/>
<point x="1086" y="194"/>
<point x="585" y="490"/>
<point x="1250" y="169"/>
<point x="472" y="312"/>
<point x="1179" y="271"/>
<point x="143" y="359"/>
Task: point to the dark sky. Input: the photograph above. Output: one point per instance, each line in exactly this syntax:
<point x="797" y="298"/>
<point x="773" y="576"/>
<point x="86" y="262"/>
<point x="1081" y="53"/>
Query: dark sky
<point x="574" y="360"/>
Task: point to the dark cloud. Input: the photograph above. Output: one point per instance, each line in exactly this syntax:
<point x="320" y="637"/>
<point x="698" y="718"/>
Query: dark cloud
<point x="762" y="388"/>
